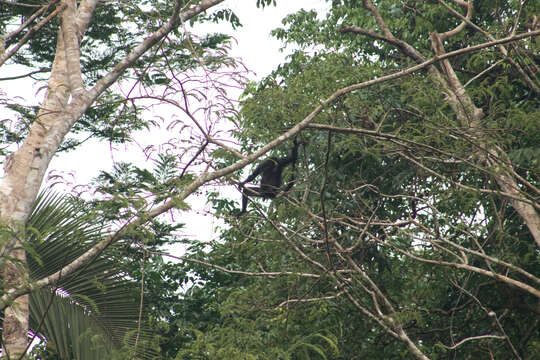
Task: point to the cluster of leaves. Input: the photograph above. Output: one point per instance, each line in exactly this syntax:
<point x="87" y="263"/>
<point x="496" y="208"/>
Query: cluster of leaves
<point x="288" y="315"/>
<point x="378" y="196"/>
<point x="409" y="179"/>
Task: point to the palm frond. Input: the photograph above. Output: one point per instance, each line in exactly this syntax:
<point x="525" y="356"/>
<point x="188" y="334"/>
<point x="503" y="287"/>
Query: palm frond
<point x="92" y="311"/>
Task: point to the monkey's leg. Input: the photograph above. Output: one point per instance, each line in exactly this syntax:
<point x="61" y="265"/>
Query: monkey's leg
<point x="246" y="192"/>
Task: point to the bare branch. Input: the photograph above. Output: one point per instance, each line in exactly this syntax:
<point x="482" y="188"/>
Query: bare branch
<point x="525" y="287"/>
<point x="472" y="338"/>
<point x="237" y="272"/>
<point x="324" y="298"/>
<point x="469" y="6"/>
<point x="28" y="21"/>
<point x="467" y="20"/>
<point x="176" y="18"/>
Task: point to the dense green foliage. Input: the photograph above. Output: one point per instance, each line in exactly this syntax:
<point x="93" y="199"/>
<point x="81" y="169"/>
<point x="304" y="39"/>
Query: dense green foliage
<point x="373" y="208"/>
<point x="396" y="240"/>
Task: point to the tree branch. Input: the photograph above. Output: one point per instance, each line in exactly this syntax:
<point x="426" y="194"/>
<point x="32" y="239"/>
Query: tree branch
<point x="480" y="337"/>
<point x="237" y="272"/>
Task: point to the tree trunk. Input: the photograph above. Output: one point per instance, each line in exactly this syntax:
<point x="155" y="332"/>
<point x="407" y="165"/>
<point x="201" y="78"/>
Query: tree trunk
<point x="18" y="190"/>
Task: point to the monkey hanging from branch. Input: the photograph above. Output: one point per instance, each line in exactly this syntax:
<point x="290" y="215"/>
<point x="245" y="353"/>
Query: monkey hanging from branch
<point x="271" y="171"/>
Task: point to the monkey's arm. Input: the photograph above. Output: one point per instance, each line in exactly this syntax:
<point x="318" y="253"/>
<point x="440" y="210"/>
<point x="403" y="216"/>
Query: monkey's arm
<point x="292" y="157"/>
<point x="292" y="180"/>
<point x="259" y="169"/>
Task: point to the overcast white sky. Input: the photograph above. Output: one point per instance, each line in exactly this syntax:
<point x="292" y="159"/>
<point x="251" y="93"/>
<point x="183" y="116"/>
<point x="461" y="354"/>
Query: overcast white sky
<point x="255" y="46"/>
<point x="259" y="52"/>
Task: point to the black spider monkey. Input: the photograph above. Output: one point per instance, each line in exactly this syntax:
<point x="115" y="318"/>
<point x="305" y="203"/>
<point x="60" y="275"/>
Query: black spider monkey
<point x="271" y="178"/>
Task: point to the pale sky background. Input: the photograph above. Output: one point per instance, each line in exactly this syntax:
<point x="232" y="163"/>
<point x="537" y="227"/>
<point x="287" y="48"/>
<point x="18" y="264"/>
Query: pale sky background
<point x="259" y="53"/>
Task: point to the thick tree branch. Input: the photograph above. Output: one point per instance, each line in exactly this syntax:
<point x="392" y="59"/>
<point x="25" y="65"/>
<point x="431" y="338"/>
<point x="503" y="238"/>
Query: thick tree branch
<point x="84" y="15"/>
<point x="72" y="49"/>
